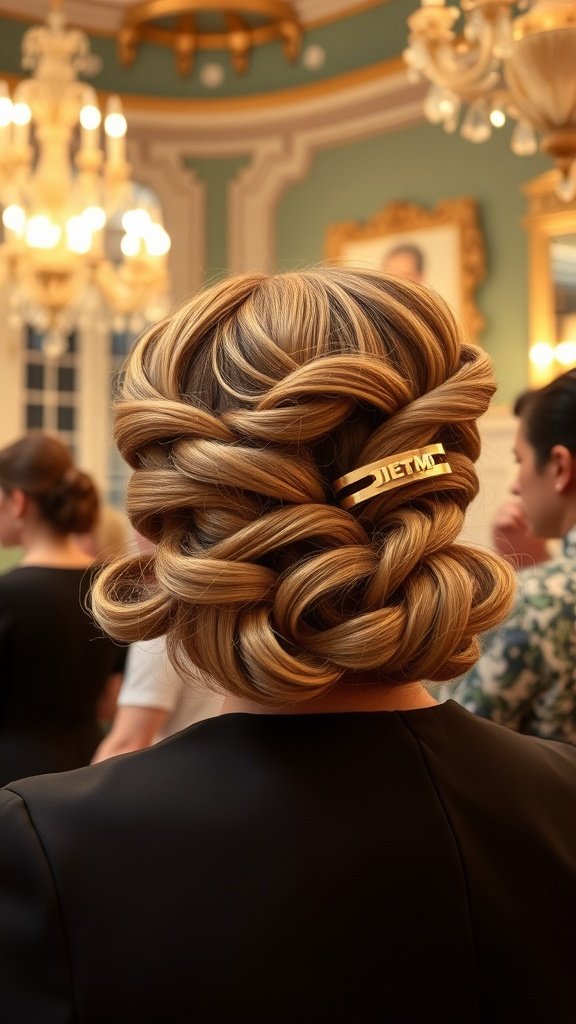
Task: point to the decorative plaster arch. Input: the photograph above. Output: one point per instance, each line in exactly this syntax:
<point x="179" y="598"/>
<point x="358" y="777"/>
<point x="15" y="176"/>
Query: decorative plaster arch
<point x="281" y="139"/>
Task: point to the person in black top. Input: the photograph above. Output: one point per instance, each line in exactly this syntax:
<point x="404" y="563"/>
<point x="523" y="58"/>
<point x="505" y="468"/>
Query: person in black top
<point x="57" y="669"/>
<point x="336" y="846"/>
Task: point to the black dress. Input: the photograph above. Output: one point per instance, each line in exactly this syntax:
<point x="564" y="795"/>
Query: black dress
<point x="54" y="662"/>
<point x="367" y="868"/>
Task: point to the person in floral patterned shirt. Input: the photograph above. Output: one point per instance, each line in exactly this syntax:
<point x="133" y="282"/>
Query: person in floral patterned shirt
<point x="526" y="677"/>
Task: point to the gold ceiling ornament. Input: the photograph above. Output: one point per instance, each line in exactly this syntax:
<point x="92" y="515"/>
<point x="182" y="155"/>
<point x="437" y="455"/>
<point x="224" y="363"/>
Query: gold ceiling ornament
<point x="187" y="26"/>
<point x="502" y="64"/>
<point x="76" y="239"/>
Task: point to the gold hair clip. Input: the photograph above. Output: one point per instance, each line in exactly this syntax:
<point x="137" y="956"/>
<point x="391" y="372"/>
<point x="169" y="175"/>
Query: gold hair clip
<point x="395" y="471"/>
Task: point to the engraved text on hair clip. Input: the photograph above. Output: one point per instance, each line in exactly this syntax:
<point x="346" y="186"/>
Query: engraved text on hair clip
<point x="395" y="471"/>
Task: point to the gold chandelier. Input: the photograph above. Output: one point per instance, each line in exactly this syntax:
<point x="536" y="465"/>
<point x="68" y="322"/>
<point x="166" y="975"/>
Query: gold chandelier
<point x="76" y="238"/>
<point x="503" y="64"/>
<point x="187" y="26"/>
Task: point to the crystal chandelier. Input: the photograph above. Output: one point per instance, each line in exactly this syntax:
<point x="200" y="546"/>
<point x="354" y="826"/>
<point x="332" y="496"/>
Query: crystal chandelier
<point x="503" y="64"/>
<point x="68" y="201"/>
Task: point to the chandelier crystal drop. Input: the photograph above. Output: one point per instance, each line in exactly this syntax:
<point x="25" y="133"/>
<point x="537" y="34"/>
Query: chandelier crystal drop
<point x="498" y="60"/>
<point x="77" y="240"/>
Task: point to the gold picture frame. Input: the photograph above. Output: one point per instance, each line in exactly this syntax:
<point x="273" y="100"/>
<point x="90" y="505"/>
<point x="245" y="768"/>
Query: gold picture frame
<point x="550" y="221"/>
<point x="447" y="241"/>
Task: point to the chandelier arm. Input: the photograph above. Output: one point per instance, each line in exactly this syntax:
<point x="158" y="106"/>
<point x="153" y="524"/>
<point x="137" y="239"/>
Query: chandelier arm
<point x="444" y="71"/>
<point x="534" y="54"/>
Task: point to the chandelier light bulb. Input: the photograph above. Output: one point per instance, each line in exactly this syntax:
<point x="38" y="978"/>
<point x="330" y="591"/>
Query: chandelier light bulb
<point x="21" y="114"/>
<point x="565" y="353"/>
<point x="14" y="218"/>
<point x="94" y="217"/>
<point x="157" y="240"/>
<point x="542" y="354"/>
<point x="130" y="245"/>
<point x="90" y="117"/>
<point x="78" y="235"/>
<point x="136" y="222"/>
<point x="114" y="123"/>
<point x="42" y="233"/>
<point x="497" y="118"/>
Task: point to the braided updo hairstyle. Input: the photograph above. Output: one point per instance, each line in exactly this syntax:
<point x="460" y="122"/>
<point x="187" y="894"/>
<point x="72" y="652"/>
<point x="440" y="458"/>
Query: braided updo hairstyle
<point x="237" y="414"/>
<point x="42" y="467"/>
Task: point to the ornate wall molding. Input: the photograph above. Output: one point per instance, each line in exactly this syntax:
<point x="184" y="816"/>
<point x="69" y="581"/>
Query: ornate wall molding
<point x="281" y="142"/>
<point x="182" y="195"/>
<point x="257" y="189"/>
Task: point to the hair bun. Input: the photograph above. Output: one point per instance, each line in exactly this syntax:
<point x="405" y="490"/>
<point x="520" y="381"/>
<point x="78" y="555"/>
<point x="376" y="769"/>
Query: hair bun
<point x="237" y="414"/>
<point x="71" y="506"/>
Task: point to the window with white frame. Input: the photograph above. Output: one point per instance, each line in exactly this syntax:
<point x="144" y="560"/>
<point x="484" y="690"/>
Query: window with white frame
<point x="51" y="389"/>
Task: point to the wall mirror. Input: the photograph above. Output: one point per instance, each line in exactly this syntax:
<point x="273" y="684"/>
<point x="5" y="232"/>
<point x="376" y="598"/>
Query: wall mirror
<point x="551" y="227"/>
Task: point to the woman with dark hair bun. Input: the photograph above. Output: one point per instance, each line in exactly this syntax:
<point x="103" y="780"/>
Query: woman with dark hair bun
<point x="57" y="668"/>
<point x="336" y="846"/>
<point x="526" y="677"/>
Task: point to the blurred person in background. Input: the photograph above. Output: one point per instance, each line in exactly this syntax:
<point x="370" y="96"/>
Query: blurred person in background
<point x="59" y="674"/>
<point x="526" y="677"/>
<point x="155" y="701"/>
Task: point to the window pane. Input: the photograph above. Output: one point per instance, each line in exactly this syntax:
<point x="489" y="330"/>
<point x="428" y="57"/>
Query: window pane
<point x="34" y="377"/>
<point x="66" y="378"/>
<point x="34" y="417"/>
<point x="120" y="343"/>
<point x="33" y="339"/>
<point x="66" y="417"/>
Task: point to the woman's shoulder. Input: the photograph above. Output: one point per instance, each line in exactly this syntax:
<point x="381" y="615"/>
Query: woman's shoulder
<point x="552" y="581"/>
<point x="39" y="581"/>
<point x="495" y="760"/>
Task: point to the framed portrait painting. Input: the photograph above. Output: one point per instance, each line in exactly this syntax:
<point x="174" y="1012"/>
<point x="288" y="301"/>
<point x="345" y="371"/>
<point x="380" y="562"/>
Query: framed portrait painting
<point x="443" y="247"/>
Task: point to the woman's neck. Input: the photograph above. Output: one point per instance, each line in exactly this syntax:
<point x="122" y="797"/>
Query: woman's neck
<point x="45" y="548"/>
<point x="351" y="694"/>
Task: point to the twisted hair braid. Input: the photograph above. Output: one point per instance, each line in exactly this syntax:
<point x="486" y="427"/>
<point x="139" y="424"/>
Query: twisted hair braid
<point x="237" y="414"/>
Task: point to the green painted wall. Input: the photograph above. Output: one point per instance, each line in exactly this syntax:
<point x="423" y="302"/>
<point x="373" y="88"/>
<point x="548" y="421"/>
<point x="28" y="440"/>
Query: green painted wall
<point x="423" y="165"/>
<point x="217" y="176"/>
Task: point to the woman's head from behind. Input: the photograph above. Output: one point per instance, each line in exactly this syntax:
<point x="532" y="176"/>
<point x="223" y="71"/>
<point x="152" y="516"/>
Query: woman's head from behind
<point x="238" y="414"/>
<point x="38" y="481"/>
<point x="545" y="450"/>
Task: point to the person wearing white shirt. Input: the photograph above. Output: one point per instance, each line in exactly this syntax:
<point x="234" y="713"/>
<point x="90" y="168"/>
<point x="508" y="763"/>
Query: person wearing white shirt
<point x="155" y="701"/>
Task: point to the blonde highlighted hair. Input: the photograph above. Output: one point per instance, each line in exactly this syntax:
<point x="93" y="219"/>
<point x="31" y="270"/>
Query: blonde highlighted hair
<point x="237" y="414"/>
